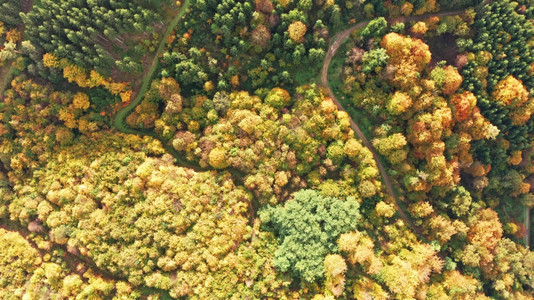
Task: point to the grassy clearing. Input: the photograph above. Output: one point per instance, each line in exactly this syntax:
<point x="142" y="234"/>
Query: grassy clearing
<point x="306" y="74"/>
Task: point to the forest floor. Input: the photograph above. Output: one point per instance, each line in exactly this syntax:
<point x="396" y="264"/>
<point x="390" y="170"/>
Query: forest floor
<point x="443" y="48"/>
<point x="337" y="40"/>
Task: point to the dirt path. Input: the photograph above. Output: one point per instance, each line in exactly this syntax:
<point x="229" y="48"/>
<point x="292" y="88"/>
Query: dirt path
<point x="73" y="259"/>
<point x="119" y="123"/>
<point x="120" y="120"/>
<point x="338" y="39"/>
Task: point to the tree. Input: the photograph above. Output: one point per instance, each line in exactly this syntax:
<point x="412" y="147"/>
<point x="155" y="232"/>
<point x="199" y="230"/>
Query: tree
<point x="510" y="92"/>
<point x="355" y="55"/>
<point x="18" y="260"/>
<point x="359" y="248"/>
<point x="447" y="78"/>
<point x="9" y="12"/>
<point x="376" y="58"/>
<point x="500" y="49"/>
<point x="174" y="105"/>
<point x="461" y="200"/>
<point x="278" y="98"/>
<point x="296" y="31"/>
<point x="218" y="158"/>
<point x="403" y="274"/>
<point x="221" y="102"/>
<point x="367" y="189"/>
<point x="167" y="87"/>
<point x="305" y="5"/>
<point x="335" y="268"/>
<point x="408" y="55"/>
<point x="336" y="153"/>
<point x="484" y="234"/>
<point x="352" y="148"/>
<point x="455" y="285"/>
<point x="265" y="6"/>
<point x="81" y="101"/>
<point x="9" y="52"/>
<point x="307" y="228"/>
<point x="82" y="31"/>
<point x="375" y="29"/>
<point x="419" y="28"/>
<point x="399" y="103"/>
<point x="261" y="36"/>
<point x="392" y="147"/>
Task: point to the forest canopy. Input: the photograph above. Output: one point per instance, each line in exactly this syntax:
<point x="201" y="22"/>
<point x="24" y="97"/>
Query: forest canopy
<point x="266" y="149"/>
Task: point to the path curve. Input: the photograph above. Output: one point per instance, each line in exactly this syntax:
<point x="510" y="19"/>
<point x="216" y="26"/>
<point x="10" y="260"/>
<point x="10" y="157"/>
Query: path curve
<point x="119" y="122"/>
<point x="338" y="39"/>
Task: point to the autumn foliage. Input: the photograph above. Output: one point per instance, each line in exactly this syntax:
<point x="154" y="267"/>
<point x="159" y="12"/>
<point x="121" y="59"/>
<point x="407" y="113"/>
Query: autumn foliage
<point x="510" y="92"/>
<point x="296" y="31"/>
<point x="79" y="76"/>
<point x="240" y="178"/>
<point x="408" y="56"/>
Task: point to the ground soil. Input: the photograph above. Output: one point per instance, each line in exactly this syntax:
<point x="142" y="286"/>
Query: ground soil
<point x="443" y="47"/>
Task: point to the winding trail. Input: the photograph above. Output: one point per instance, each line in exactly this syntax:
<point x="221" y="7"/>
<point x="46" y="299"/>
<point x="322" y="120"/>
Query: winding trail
<point x="120" y="119"/>
<point x="73" y="259"/>
<point x="119" y="123"/>
<point x="337" y="40"/>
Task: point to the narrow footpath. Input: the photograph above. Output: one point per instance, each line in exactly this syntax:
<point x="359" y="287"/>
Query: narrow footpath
<point x="119" y="123"/>
<point x="337" y="40"/>
<point x="120" y="119"/>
